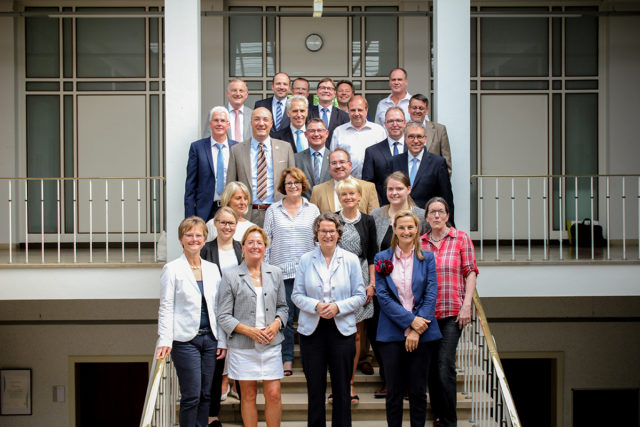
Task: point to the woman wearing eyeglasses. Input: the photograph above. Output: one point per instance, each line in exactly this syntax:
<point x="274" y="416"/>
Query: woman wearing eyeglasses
<point x="289" y="225"/>
<point x="457" y="270"/>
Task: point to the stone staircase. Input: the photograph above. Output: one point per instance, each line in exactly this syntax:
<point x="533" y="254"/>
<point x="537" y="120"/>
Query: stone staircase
<point x="368" y="412"/>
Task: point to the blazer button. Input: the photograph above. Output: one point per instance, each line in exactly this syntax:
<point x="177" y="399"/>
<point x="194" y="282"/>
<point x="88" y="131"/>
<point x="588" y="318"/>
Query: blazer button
<point x="266" y="309"/>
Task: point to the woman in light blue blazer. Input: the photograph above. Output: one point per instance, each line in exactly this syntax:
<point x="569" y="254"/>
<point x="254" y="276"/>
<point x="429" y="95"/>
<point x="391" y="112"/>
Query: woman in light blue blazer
<point x="407" y="287"/>
<point x="328" y="289"/>
<point x="253" y="312"/>
<point x="187" y="326"/>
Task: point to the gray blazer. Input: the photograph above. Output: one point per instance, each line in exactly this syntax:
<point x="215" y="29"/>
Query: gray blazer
<point x="237" y="303"/>
<point x="246" y="124"/>
<point x="305" y="164"/>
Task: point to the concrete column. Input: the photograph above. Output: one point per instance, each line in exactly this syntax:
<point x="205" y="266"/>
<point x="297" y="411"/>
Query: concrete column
<point x="183" y="105"/>
<point x="451" y="106"/>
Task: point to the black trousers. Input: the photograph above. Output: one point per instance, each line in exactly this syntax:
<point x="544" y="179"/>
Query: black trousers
<point x="326" y="348"/>
<point x="372" y="331"/>
<point x="216" y="388"/>
<point x="442" y="378"/>
<point x="406" y="371"/>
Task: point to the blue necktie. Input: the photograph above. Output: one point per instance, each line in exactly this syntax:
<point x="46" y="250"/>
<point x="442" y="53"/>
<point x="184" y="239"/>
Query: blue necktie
<point x="395" y="148"/>
<point x="325" y="119"/>
<point x="278" y="114"/>
<point x="316" y="166"/>
<point x="220" y="170"/>
<point x="414" y="170"/>
<point x="299" y="147"/>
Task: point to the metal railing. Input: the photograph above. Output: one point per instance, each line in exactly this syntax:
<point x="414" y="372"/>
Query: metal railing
<point x="161" y="401"/>
<point x="478" y="360"/>
<point x="540" y="211"/>
<point x="71" y="214"/>
<point x="485" y="383"/>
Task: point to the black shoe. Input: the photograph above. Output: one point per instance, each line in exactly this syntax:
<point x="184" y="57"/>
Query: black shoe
<point x="215" y="423"/>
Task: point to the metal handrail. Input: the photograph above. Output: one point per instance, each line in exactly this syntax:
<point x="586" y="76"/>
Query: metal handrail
<point x="507" y="399"/>
<point x="153" y="388"/>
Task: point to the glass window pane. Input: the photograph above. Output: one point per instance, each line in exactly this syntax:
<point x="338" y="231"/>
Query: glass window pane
<point x="514" y="85"/>
<point x="67" y="48"/>
<point x="514" y="47"/>
<point x="581" y="150"/>
<point x="377" y="84"/>
<point x="245" y="44"/>
<point x="42" y="58"/>
<point x="110" y="47"/>
<point x="111" y="86"/>
<point x="154" y="47"/>
<point x="43" y="86"/>
<point x="271" y="43"/>
<point x="581" y="45"/>
<point x="557" y="156"/>
<point x="474" y="161"/>
<point x="557" y="46"/>
<point x="381" y="42"/>
<point x="356" y="44"/>
<point x="474" y="47"/>
<point x="43" y="158"/>
<point x="68" y="163"/>
<point x="372" y="100"/>
<point x="581" y="84"/>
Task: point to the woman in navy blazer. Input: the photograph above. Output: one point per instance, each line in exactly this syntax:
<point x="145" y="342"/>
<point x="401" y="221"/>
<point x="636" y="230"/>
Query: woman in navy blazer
<point x="407" y="287"/>
<point x="187" y="326"/>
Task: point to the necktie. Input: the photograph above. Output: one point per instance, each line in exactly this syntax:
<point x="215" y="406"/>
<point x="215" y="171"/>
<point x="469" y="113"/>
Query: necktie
<point x="237" y="135"/>
<point x="325" y="119"/>
<point x="316" y="166"/>
<point x="262" y="172"/>
<point x="220" y="170"/>
<point x="395" y="148"/>
<point x="414" y="170"/>
<point x="278" y="114"/>
<point x="299" y="147"/>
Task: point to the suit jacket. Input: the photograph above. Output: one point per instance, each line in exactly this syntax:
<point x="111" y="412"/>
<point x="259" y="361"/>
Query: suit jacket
<point x="432" y="179"/>
<point x="237" y="303"/>
<point x="438" y="141"/>
<point x="181" y="301"/>
<point x="287" y="136"/>
<point x="305" y="164"/>
<point x="376" y="168"/>
<point x="394" y="318"/>
<point x="322" y="197"/>
<point x="267" y="103"/>
<point x="210" y="252"/>
<point x="240" y="165"/>
<point x="337" y="118"/>
<point x="347" y="289"/>
<point x="200" y="185"/>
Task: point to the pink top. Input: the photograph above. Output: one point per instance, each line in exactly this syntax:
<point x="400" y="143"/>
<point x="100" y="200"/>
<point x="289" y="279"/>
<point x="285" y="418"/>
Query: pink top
<point x="401" y="275"/>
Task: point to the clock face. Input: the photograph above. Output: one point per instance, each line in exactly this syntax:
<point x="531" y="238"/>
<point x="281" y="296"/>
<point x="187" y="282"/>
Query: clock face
<point x="313" y="42"/>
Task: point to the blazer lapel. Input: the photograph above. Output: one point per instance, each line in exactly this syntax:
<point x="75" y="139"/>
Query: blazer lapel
<point x="186" y="271"/>
<point x="208" y="284"/>
<point x="243" y="272"/>
<point x="424" y="166"/>
<point x="430" y="132"/>
<point x="207" y="151"/>
<point x="417" y="280"/>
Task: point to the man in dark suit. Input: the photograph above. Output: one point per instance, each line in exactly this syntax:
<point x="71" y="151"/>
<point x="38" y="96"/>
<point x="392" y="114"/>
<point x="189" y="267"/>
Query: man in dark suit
<point x="258" y="163"/>
<point x="376" y="158"/>
<point x="332" y="116"/>
<point x="276" y="103"/>
<point x="427" y="172"/>
<point x="207" y="168"/>
<point x="297" y="110"/>
<point x="314" y="161"/>
<point x="437" y="137"/>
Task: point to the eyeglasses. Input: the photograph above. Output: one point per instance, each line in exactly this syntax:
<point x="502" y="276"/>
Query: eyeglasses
<point x="293" y="183"/>
<point x="312" y="131"/>
<point x="329" y="88"/>
<point x="439" y="212"/>
<point x="194" y="236"/>
<point x="226" y="223"/>
<point x="327" y="232"/>
<point x="414" y="137"/>
<point x="395" y="121"/>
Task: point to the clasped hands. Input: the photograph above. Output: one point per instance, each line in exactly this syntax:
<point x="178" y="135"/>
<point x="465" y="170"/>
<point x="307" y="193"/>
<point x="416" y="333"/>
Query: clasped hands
<point x="327" y="310"/>
<point x="266" y="335"/>
<point x="418" y="326"/>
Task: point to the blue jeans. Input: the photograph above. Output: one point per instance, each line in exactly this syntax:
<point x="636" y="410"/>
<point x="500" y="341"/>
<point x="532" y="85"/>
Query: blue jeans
<point x="195" y="362"/>
<point x="442" y="377"/>
<point x="287" y="345"/>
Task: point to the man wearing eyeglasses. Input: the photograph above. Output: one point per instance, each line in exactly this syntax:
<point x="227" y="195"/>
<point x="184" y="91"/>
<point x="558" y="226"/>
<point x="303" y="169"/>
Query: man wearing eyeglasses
<point x="427" y="172"/>
<point x="314" y="161"/>
<point x="324" y="195"/>
<point x="376" y="158"/>
<point x="437" y="137"/>
<point x="330" y="115"/>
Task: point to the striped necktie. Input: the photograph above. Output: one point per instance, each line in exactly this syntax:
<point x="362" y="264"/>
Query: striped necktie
<point x="325" y="119"/>
<point x="316" y="166"/>
<point x="299" y="147"/>
<point x="278" y="114"/>
<point x="414" y="170"/>
<point x="220" y="170"/>
<point x="262" y="172"/>
<point x="238" y="129"/>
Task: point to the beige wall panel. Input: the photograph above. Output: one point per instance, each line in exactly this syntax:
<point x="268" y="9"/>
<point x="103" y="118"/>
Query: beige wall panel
<point x="331" y="60"/>
<point x="514" y="132"/>
<point x="112" y="142"/>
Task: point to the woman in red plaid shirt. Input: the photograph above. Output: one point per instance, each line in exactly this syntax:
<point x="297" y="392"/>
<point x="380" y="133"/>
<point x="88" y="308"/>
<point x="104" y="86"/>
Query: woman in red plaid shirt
<point x="457" y="270"/>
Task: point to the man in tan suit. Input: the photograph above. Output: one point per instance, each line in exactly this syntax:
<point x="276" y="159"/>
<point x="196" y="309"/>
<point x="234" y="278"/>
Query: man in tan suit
<point x="324" y="195"/>
<point x="245" y="165"/>
<point x="437" y="138"/>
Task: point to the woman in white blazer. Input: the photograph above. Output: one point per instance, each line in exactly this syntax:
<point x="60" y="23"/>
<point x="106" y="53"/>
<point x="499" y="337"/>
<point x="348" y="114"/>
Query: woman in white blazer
<point x="253" y="312"/>
<point x="327" y="290"/>
<point x="187" y="326"/>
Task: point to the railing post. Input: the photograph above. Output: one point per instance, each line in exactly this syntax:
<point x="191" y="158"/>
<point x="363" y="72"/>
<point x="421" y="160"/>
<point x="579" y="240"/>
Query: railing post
<point x="41" y="221"/>
<point x="26" y="222"/>
<point x="106" y="220"/>
<point x="497" y="222"/>
<point x="75" y="220"/>
<point x="624" y="220"/>
<point x="545" y="207"/>
<point x="529" y="219"/>
<point x="90" y="221"/>
<point x="562" y="185"/>
<point x="513" y="219"/>
<point x="10" y="224"/>
<point x="59" y="215"/>
<point x="608" y="202"/>
<point x="155" y="227"/>
<point x="122" y="216"/>
<point x="139" y="204"/>
<point x="591" y="198"/>
<point x="575" y="196"/>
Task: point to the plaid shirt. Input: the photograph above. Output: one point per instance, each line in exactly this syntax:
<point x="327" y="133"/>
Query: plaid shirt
<point x="455" y="259"/>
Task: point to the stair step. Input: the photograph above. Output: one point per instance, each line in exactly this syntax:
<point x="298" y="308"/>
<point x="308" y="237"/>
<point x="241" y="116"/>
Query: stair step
<point x="366" y="423"/>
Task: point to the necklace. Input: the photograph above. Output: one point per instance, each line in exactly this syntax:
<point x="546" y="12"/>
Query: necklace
<point x="195" y="267"/>
<point x="434" y="240"/>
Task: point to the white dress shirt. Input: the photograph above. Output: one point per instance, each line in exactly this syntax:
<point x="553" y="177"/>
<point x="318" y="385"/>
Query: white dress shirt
<point x="401" y="147"/>
<point x="303" y="138"/>
<point x="387" y="103"/>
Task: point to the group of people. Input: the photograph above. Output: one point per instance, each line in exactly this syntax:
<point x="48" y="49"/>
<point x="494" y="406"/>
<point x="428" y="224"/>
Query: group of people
<point x="281" y="225"/>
